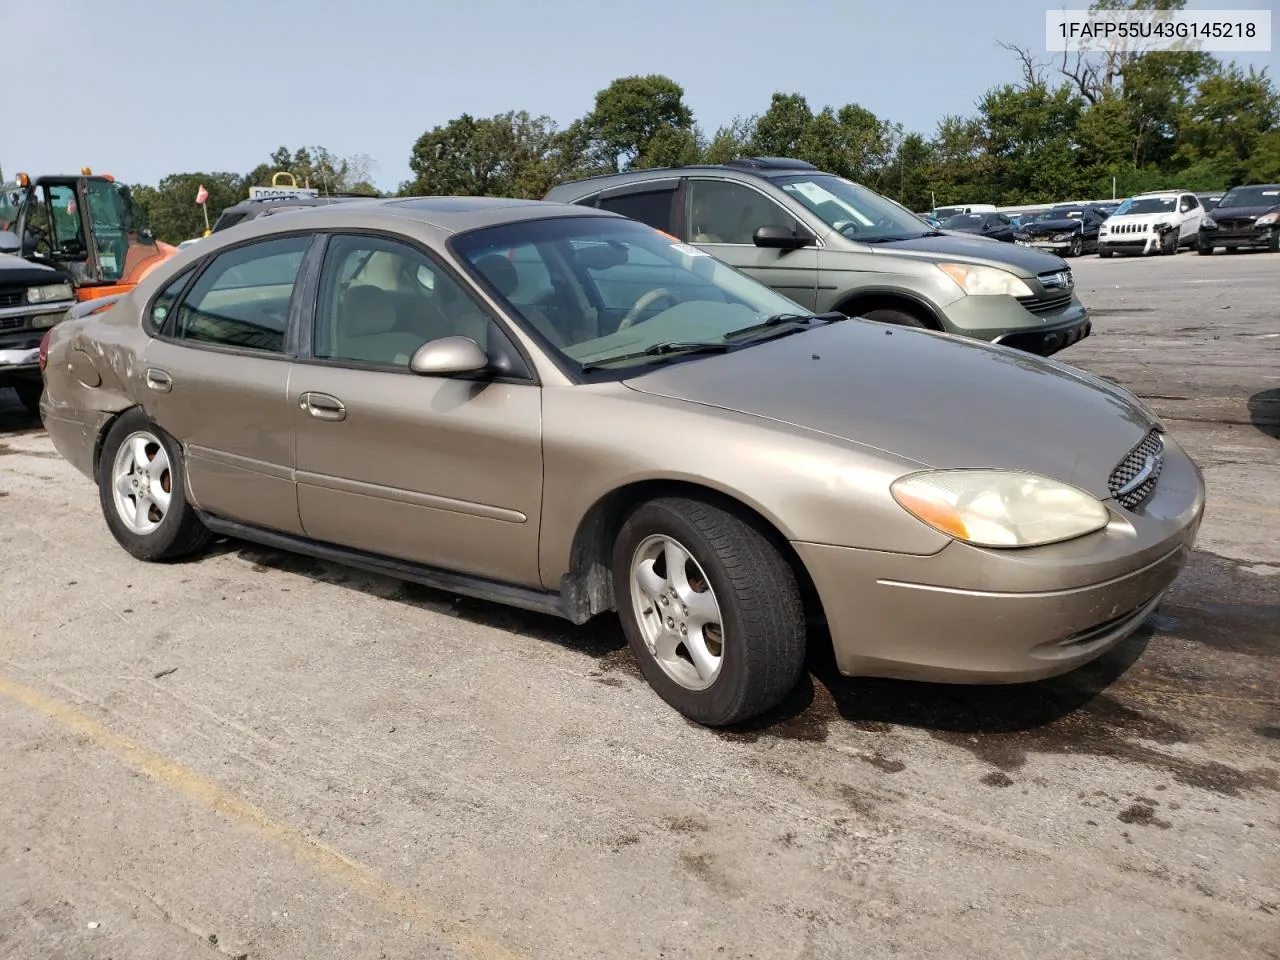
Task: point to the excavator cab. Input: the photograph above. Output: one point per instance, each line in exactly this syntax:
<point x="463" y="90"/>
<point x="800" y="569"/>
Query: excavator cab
<point x="83" y="226"/>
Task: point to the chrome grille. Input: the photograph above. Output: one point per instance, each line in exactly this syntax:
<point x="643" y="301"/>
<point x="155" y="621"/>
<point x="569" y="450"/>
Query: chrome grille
<point x="11" y="298"/>
<point x="1133" y="480"/>
<point x="1048" y="305"/>
<point x="1235" y="223"/>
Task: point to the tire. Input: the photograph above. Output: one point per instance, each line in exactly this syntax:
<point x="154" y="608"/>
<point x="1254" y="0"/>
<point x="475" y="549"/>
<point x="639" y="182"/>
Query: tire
<point x="1076" y="248"/>
<point x="1273" y="242"/>
<point x="1205" y="250"/>
<point x="754" y="602"/>
<point x="29" y="395"/>
<point x="163" y="532"/>
<point x="898" y="318"/>
<point x="1105" y="254"/>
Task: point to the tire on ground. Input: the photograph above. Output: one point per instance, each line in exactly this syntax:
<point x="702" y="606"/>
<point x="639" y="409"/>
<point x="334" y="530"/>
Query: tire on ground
<point x="29" y="395"/>
<point x="763" y="622"/>
<point x="892" y="315"/>
<point x="180" y="531"/>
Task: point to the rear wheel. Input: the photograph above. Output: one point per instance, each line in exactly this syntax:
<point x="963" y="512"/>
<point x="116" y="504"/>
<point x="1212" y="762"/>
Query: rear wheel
<point x="143" y="492"/>
<point x="710" y="609"/>
<point x="897" y="317"/>
<point x="29" y="395"/>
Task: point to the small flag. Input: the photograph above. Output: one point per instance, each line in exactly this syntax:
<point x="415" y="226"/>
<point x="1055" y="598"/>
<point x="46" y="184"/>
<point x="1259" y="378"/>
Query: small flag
<point x="202" y="194"/>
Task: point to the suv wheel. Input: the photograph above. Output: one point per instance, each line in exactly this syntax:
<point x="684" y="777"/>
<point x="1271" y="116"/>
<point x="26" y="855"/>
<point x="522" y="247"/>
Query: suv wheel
<point x="710" y="609"/>
<point x="897" y="317"/>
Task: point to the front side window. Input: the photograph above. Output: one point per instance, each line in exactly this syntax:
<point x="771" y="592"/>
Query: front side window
<point x="617" y="288"/>
<point x="724" y="212"/>
<point x="114" y="234"/>
<point x="858" y="213"/>
<point x="242" y="298"/>
<point x="380" y="300"/>
<point x="652" y="207"/>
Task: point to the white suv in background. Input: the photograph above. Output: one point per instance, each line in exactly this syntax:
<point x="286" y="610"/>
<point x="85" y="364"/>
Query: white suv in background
<point x="1159" y="222"/>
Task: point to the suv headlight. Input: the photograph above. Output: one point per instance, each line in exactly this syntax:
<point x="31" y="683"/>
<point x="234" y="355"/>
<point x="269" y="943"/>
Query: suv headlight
<point x="49" y="294"/>
<point x="999" y="508"/>
<point x="1208" y="223"/>
<point x="985" y="281"/>
<point x="1267" y="219"/>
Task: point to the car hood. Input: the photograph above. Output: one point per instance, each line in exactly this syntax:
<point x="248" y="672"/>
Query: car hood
<point x="1050" y="226"/>
<point x="16" y="271"/>
<point x="968" y="248"/>
<point x="1242" y="213"/>
<point x="936" y="399"/>
<point x="1166" y="215"/>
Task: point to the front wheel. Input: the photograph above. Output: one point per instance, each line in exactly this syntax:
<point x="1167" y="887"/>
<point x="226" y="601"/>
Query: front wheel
<point x="1105" y="254"/>
<point x="897" y="317"/>
<point x="1204" y="249"/>
<point x="710" y="609"/>
<point x="143" y="491"/>
<point x="1077" y="247"/>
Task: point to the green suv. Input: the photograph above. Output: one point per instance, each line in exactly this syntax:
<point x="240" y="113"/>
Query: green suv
<point x="830" y="244"/>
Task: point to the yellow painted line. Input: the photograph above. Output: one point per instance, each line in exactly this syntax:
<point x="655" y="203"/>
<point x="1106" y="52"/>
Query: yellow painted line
<point x="208" y="794"/>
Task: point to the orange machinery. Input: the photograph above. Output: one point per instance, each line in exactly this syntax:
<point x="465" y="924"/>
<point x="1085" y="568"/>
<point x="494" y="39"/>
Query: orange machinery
<point x="84" y="226"/>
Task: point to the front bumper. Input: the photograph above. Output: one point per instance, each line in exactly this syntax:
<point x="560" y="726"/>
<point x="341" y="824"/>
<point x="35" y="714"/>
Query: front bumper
<point x="1253" y="237"/>
<point x="1130" y="243"/>
<point x="1042" y="243"/>
<point x="971" y="615"/>
<point x="21" y="329"/>
<point x="1005" y="320"/>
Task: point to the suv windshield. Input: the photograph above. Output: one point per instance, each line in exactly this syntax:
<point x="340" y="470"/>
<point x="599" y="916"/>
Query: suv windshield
<point x="602" y="289"/>
<point x="1146" y="205"/>
<point x="1265" y="196"/>
<point x="855" y="211"/>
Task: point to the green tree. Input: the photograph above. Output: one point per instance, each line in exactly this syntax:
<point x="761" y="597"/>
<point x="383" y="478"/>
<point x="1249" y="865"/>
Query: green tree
<point x="1264" y="162"/>
<point x="640" y="121"/>
<point x="172" y="211"/>
<point x="908" y="173"/>
<point x="1221" y="125"/>
<point x="1028" y="136"/>
<point x="730" y="142"/>
<point x="511" y="154"/>
<point x="319" y="168"/>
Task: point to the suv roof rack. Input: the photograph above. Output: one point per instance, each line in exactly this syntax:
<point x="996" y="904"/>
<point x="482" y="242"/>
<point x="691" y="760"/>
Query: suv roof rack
<point x="770" y="163"/>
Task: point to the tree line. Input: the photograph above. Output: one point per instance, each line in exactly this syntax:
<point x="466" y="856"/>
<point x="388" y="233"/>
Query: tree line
<point x="1067" y="129"/>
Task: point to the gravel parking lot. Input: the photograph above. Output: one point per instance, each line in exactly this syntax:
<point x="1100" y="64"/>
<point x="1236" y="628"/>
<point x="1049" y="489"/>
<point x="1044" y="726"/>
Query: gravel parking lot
<point x="259" y="755"/>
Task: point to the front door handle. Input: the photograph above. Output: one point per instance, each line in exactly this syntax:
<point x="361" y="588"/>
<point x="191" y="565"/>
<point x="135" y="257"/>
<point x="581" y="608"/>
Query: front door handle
<point x="322" y="406"/>
<point x="159" y="380"/>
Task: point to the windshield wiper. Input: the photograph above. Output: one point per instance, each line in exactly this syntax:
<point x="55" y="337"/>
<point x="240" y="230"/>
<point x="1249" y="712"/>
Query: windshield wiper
<point x="794" y="322"/>
<point x="661" y="350"/>
<point x="913" y="236"/>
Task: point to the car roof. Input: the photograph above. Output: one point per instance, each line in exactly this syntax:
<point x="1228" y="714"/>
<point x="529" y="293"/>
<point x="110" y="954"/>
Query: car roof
<point x="763" y="167"/>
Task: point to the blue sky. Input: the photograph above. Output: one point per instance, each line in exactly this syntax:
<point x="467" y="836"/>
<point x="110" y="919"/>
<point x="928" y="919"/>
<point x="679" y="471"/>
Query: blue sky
<point x="143" y="88"/>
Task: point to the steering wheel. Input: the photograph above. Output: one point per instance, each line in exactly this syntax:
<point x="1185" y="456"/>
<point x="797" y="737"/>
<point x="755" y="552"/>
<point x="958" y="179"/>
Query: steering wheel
<point x="639" y="306"/>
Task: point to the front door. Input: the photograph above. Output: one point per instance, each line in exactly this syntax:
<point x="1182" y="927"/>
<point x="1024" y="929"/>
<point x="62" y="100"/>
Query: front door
<point x="216" y="376"/>
<point x="436" y="470"/>
<point x="723" y="218"/>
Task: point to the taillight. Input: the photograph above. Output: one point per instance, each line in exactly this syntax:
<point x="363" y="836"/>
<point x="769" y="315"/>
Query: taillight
<point x="44" y="350"/>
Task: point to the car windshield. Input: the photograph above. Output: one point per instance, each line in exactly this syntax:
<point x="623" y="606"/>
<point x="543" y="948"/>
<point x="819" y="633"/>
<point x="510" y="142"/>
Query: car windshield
<point x="962" y="220"/>
<point x="1146" y="205"/>
<point x="600" y="290"/>
<point x="1065" y="213"/>
<point x="855" y="211"/>
<point x="1267" y="196"/>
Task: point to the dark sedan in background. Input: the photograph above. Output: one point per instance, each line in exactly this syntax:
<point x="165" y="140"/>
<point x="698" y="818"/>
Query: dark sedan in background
<point x="1248" y="216"/>
<point x="993" y="226"/>
<point x="1069" y="230"/>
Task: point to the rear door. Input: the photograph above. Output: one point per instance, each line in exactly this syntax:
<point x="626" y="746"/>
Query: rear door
<point x="217" y="374"/>
<point x="443" y="471"/>
<point x="653" y="202"/>
<point x="722" y="219"/>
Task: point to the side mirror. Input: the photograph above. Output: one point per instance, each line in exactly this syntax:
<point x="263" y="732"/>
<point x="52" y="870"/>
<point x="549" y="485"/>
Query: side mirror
<point x="782" y="238"/>
<point x="449" y="356"/>
<point x="986" y="228"/>
<point x="9" y="242"/>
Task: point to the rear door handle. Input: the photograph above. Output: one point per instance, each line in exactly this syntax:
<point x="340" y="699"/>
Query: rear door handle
<point x="322" y="406"/>
<point x="159" y="380"/>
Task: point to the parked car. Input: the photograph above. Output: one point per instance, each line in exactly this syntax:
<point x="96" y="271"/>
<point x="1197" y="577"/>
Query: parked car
<point x="1210" y="200"/>
<point x="993" y="226"/>
<point x="33" y="297"/>
<point x="1152" y="223"/>
<point x="1247" y="216"/>
<point x="1070" y="230"/>
<point x="253" y="208"/>
<point x="563" y="409"/>
<point x="831" y="244"/>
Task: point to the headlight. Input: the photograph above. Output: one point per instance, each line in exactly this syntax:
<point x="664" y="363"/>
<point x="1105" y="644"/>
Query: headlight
<point x="1063" y="236"/>
<point x="999" y="508"/>
<point x="50" y="293"/>
<point x="1209" y="223"/>
<point x="1268" y="218"/>
<point x="985" y="281"/>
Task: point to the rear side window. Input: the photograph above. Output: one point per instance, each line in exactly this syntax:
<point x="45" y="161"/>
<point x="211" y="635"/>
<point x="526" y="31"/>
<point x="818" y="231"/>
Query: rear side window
<point x="652" y="207"/>
<point x="162" y="306"/>
<point x="242" y="299"/>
